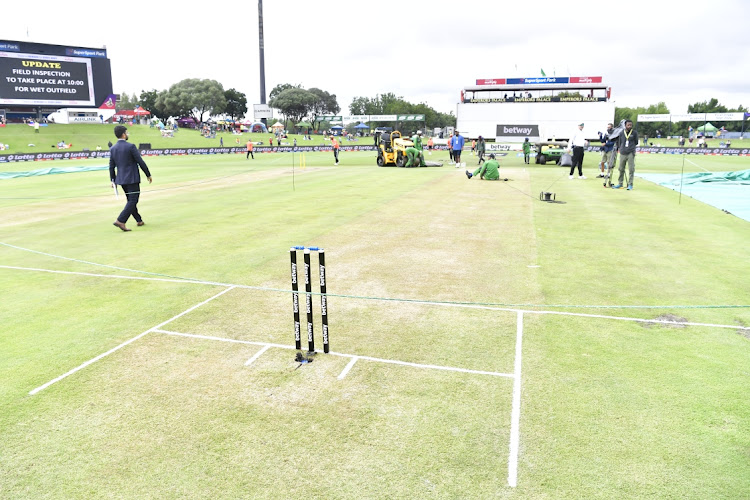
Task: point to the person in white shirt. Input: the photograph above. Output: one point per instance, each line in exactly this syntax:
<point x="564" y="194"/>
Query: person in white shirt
<point x="577" y="143"/>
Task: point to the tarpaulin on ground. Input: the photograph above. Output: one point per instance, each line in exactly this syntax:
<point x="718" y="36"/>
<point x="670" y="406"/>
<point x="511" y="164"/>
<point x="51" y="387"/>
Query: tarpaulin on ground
<point x="48" y="171"/>
<point x="728" y="191"/>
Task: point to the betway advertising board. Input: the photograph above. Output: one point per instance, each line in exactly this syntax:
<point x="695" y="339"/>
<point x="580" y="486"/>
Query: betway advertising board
<point x="514" y="132"/>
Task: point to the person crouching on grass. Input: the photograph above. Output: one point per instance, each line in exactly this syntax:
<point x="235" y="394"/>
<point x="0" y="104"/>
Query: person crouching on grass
<point x="414" y="157"/>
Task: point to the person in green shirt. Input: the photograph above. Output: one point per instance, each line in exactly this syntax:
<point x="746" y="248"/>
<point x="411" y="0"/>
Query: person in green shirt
<point x="480" y="149"/>
<point x="414" y="157"/>
<point x="417" y="140"/>
<point x="489" y="171"/>
<point x="526" y="150"/>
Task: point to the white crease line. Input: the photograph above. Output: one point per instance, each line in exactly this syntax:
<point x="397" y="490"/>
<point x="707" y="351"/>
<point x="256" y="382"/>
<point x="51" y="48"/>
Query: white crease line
<point x="223" y="339"/>
<point x="347" y="368"/>
<point x="515" y="414"/>
<point x="192" y="282"/>
<point x="622" y="318"/>
<point x="87" y="363"/>
<point x="431" y="367"/>
<point x="257" y="355"/>
<point x="94" y="360"/>
<point x="424" y="302"/>
<point x="369" y="358"/>
<point x="697" y="165"/>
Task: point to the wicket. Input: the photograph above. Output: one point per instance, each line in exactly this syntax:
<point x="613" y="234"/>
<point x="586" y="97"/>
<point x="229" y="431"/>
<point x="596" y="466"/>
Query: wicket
<point x="308" y="298"/>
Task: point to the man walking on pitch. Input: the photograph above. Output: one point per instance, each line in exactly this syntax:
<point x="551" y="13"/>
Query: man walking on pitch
<point x="626" y="145"/>
<point x="526" y="150"/>
<point x="249" y="149"/>
<point x="124" y="160"/>
<point x="457" y="145"/>
<point x="335" y="145"/>
<point x="609" y="153"/>
<point x="578" y="142"/>
<point x="480" y="149"/>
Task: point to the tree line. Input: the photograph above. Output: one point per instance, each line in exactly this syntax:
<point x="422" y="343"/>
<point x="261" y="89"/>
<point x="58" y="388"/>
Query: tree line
<point x="201" y="98"/>
<point x="678" y="128"/>
<point x="296" y="103"/>
<point x="197" y="98"/>
<point x="390" y="104"/>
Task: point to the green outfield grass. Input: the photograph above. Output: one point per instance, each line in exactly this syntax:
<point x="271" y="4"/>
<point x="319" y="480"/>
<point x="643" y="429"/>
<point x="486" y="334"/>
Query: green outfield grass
<point x="609" y="407"/>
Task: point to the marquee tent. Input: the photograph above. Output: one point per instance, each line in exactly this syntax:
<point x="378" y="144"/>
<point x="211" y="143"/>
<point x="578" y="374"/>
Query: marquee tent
<point x="707" y="129"/>
<point x="186" y="122"/>
<point x="258" y="127"/>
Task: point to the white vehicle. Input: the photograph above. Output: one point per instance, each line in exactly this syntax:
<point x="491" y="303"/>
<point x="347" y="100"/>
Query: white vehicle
<point x="85" y="115"/>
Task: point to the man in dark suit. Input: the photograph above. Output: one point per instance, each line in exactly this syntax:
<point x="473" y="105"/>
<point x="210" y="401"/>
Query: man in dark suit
<point x="125" y="159"/>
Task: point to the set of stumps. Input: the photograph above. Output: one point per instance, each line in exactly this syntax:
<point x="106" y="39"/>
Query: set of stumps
<point x="300" y="357"/>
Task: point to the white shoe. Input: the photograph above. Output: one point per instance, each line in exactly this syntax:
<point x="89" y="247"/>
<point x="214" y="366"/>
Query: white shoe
<point x="570" y="177"/>
<point x="581" y="176"/>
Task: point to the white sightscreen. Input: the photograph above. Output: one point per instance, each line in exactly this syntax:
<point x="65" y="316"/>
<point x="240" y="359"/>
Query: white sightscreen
<point x="554" y="119"/>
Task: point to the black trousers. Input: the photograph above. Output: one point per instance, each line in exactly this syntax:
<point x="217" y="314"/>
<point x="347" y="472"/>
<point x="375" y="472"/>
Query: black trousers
<point x="577" y="160"/>
<point x="132" y="193"/>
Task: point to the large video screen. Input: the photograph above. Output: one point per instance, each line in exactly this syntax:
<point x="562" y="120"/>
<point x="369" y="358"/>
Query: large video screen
<point x="34" y="74"/>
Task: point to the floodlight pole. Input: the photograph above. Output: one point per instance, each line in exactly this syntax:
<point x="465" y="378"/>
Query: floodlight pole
<point x="262" y="58"/>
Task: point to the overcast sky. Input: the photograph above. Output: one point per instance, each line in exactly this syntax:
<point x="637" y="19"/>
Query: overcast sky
<point x="425" y="51"/>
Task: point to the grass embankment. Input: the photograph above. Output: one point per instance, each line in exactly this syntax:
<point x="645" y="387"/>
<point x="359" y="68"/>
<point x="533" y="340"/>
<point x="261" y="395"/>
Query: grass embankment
<point x="89" y="136"/>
